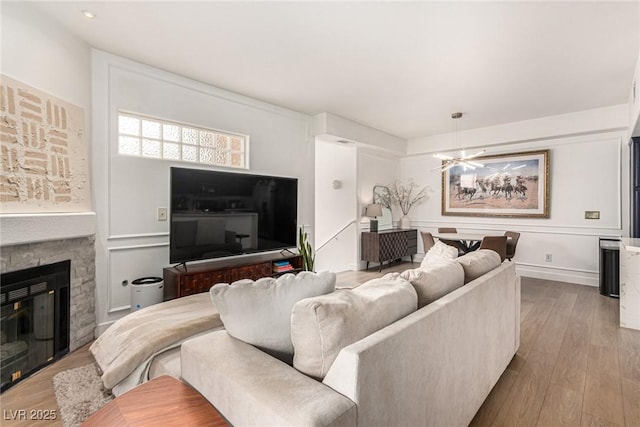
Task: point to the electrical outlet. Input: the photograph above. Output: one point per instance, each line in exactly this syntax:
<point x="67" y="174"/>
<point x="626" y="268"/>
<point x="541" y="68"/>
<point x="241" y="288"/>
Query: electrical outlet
<point x="548" y="258"/>
<point x="162" y="214"/>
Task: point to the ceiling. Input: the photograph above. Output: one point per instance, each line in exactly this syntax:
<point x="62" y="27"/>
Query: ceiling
<point x="401" y="67"/>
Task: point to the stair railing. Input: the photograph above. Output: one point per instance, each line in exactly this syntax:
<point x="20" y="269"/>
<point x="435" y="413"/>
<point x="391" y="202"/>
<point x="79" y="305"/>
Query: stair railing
<point x="335" y="236"/>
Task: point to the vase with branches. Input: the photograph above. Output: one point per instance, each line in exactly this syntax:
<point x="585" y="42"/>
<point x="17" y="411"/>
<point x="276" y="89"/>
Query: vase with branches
<point x="406" y="196"/>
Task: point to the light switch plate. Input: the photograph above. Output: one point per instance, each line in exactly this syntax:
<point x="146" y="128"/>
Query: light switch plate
<point x="591" y="214"/>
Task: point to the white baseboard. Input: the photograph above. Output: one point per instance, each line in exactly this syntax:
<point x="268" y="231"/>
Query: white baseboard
<point x="103" y="327"/>
<point x="568" y="276"/>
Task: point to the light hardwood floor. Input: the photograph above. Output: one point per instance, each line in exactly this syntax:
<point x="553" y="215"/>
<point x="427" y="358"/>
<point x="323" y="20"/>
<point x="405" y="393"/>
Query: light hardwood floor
<point x="36" y="392"/>
<point x="575" y="366"/>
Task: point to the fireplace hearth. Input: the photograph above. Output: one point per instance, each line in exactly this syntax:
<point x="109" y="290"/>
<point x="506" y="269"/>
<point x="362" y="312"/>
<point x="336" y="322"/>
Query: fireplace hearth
<point x="34" y="320"/>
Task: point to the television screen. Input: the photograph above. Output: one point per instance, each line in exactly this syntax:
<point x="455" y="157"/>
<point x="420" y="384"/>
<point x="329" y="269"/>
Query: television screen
<point x="216" y="214"/>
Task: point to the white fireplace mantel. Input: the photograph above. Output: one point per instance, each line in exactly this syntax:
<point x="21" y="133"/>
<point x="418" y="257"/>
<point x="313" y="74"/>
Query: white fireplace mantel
<point x="16" y="229"/>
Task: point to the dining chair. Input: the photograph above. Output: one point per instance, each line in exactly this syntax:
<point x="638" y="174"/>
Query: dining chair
<point x="495" y="243"/>
<point x="512" y="242"/>
<point x="456" y="244"/>
<point x="427" y="240"/>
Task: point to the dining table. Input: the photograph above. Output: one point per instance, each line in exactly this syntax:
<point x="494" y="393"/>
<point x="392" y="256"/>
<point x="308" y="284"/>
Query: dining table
<point x="468" y="241"/>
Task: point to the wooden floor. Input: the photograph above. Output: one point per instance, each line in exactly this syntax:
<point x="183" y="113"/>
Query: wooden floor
<point x="36" y="393"/>
<point x="575" y="366"/>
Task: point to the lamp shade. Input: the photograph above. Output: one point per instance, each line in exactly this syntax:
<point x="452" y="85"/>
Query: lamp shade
<point x="373" y="210"/>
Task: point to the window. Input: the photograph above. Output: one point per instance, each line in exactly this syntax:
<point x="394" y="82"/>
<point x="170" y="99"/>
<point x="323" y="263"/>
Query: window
<point x="160" y="139"/>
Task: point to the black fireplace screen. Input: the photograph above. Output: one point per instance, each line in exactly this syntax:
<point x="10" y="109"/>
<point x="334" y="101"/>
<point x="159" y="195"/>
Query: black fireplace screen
<point x="34" y="320"/>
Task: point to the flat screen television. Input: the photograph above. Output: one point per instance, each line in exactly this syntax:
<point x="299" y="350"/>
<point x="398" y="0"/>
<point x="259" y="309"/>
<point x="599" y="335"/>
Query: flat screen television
<point x="216" y="214"/>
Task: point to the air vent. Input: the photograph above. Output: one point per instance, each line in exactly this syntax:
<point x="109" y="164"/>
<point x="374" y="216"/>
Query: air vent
<point x="18" y="294"/>
<point x="38" y="287"/>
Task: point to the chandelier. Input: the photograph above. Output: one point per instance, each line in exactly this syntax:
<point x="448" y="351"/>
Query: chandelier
<point x="463" y="159"/>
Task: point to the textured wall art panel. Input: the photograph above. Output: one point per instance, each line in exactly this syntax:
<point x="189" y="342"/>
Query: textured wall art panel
<point x="43" y="152"/>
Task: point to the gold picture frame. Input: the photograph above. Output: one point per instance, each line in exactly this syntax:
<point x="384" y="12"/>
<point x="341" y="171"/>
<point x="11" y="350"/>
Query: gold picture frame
<point x="514" y="185"/>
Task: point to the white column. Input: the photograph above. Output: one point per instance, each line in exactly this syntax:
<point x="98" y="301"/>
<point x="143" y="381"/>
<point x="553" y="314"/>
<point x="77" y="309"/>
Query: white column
<point x="630" y="283"/>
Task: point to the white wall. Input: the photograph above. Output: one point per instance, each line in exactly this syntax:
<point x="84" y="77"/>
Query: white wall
<point x="371" y="158"/>
<point x="588" y="172"/>
<point x="634" y="99"/>
<point x="39" y="52"/>
<point x="336" y="209"/>
<point x="598" y="120"/>
<point x="374" y="168"/>
<point x="130" y="242"/>
<point x="359" y="167"/>
<point x="330" y="127"/>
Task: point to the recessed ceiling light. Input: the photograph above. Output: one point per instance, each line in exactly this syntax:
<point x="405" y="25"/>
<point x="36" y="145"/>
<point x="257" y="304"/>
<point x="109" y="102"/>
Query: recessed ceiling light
<point x="88" y="14"/>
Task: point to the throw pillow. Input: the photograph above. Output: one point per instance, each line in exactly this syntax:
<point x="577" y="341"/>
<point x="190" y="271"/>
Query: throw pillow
<point x="259" y="313"/>
<point x="438" y="252"/>
<point x="435" y="280"/>
<point x="479" y="262"/>
<point x="322" y="326"/>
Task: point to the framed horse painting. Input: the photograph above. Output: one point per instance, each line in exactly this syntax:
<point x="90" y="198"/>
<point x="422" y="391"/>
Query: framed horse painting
<point x="503" y="185"/>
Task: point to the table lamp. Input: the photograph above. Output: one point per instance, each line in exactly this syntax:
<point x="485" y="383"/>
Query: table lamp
<point x="373" y="211"/>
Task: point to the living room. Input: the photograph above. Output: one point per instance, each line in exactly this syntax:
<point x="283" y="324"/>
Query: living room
<point x="113" y="214"/>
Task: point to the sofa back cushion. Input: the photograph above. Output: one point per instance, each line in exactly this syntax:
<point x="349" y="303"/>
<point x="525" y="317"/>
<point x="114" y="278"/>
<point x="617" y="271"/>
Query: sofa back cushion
<point x="435" y="280"/>
<point x="321" y="326"/>
<point x="259" y="313"/>
<point x="479" y="262"/>
<point x="439" y="252"/>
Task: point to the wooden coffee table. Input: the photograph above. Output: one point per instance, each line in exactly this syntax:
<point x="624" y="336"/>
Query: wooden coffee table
<point x="163" y="401"/>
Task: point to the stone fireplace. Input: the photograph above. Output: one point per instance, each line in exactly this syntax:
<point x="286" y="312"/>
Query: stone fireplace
<point x="80" y="254"/>
<point x="34" y="326"/>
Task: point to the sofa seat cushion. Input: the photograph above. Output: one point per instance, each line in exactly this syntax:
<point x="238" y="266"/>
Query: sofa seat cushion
<point x="321" y="326"/>
<point x="435" y="280"/>
<point x="259" y="313"/>
<point x="479" y="262"/>
<point x="439" y="252"/>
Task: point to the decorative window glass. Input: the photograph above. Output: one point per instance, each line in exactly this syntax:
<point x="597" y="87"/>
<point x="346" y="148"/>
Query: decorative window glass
<point x="147" y="137"/>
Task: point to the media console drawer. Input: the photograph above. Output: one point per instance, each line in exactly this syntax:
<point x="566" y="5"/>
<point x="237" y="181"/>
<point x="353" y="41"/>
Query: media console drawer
<point x="388" y="245"/>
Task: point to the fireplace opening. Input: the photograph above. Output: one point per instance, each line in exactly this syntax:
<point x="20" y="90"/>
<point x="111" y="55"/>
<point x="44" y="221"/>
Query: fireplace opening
<point x="34" y="319"/>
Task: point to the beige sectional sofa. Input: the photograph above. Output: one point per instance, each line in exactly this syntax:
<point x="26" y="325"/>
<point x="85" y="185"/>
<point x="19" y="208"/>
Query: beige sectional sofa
<point x="434" y="366"/>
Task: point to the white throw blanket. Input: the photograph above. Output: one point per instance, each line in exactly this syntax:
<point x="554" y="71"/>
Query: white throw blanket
<point x="125" y="350"/>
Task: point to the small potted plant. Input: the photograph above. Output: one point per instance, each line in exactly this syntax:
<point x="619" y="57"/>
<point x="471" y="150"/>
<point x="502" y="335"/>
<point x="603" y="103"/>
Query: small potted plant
<point x="304" y="248"/>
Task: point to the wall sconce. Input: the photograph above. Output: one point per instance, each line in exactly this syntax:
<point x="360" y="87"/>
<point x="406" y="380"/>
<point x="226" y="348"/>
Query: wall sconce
<point x="336" y="184"/>
<point x="373" y="211"/>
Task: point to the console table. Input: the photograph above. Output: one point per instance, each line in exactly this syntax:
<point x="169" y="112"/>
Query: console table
<point x="388" y="245"/>
<point x="184" y="280"/>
